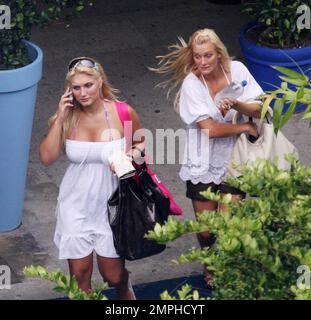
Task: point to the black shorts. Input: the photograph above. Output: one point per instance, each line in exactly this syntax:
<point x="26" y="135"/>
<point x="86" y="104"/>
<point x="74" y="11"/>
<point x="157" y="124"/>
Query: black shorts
<point x="193" y="190"/>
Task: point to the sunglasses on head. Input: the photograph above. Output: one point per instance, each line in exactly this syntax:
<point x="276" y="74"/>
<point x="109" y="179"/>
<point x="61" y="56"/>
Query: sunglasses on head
<point x="85" y="62"/>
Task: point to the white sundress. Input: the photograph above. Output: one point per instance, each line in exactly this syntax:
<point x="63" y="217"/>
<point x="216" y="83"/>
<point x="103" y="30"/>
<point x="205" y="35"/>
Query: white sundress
<point x="82" y="218"/>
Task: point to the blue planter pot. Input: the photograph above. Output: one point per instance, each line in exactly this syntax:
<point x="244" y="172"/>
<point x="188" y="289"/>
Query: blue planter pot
<point x="18" y="91"/>
<point x="260" y="59"/>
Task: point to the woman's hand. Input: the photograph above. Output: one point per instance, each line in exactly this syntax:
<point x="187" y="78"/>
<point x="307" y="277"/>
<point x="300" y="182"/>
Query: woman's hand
<point x="65" y="103"/>
<point x="135" y="153"/>
<point x="227" y="103"/>
<point x="112" y="168"/>
<point x="252" y="129"/>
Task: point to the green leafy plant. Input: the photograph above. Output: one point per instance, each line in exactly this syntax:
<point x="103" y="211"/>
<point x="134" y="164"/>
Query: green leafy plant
<point x="186" y="293"/>
<point x="69" y="286"/>
<point x="65" y="284"/>
<point x="300" y="92"/>
<point x="277" y="23"/>
<point x="260" y="240"/>
<point x="24" y="15"/>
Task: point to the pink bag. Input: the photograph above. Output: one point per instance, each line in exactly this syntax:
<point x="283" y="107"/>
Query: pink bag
<point x="124" y="115"/>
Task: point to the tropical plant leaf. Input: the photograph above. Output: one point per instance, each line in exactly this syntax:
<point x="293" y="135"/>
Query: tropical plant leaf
<point x="266" y="105"/>
<point x="288" y="114"/>
<point x="290" y="73"/>
<point x="277" y="113"/>
<point x="297" y="82"/>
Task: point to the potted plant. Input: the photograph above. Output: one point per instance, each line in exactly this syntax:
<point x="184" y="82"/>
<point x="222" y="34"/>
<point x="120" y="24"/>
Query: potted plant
<point x="20" y="72"/>
<point x="276" y="37"/>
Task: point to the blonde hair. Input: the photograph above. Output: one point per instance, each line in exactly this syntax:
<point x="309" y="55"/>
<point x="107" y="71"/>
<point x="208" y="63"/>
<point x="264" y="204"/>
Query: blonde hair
<point x="107" y="92"/>
<point x="179" y="62"/>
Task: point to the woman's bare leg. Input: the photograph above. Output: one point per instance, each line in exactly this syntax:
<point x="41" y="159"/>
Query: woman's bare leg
<point x="205" y="238"/>
<point x="235" y="198"/>
<point x="82" y="269"/>
<point x="114" y="272"/>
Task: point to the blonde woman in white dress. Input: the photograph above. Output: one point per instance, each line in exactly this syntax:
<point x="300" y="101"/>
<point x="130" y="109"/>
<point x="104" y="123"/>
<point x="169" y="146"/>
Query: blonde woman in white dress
<point x="88" y="127"/>
<point x="199" y="70"/>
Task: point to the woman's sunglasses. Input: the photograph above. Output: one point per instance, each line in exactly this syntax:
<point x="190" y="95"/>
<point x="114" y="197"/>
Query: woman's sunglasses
<point x="81" y="62"/>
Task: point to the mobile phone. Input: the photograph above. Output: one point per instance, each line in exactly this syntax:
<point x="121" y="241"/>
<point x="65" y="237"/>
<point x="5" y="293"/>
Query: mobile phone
<point x="71" y="96"/>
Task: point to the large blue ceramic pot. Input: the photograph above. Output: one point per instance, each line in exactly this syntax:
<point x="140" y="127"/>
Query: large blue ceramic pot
<point x="260" y="59"/>
<point x="18" y="91"/>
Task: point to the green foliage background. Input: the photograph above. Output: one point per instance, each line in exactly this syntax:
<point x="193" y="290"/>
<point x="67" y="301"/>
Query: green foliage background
<point x="278" y="22"/>
<point x="24" y="15"/>
<point x="295" y="88"/>
<point x="261" y="240"/>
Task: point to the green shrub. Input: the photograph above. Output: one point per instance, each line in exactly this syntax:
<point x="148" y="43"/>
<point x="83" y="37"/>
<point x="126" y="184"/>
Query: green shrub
<point x="65" y="284"/>
<point x="277" y="23"/>
<point x="24" y="15"/>
<point x="185" y="293"/>
<point x="260" y="240"/>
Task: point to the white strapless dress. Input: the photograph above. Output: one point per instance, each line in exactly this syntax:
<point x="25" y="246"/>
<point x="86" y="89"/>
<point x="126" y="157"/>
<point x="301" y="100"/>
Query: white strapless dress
<point x="82" y="218"/>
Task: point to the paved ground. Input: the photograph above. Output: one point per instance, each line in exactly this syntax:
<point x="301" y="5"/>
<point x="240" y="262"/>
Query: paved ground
<point x="125" y="36"/>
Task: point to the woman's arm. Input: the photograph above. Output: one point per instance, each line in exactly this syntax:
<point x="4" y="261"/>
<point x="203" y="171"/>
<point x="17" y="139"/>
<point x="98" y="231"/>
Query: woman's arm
<point x="250" y="93"/>
<point x="138" y="137"/>
<point x="221" y="130"/>
<point x="252" y="109"/>
<point x="52" y="145"/>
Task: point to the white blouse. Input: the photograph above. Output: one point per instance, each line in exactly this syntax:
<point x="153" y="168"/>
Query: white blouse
<point x="205" y="160"/>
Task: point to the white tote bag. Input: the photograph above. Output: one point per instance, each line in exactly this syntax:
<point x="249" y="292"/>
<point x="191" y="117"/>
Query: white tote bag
<point x="267" y="146"/>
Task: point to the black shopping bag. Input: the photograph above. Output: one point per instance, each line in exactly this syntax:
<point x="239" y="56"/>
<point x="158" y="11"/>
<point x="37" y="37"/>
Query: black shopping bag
<point x="133" y="210"/>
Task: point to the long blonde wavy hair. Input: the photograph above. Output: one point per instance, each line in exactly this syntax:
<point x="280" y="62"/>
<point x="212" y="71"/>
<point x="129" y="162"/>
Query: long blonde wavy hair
<point x="107" y="92"/>
<point x="179" y="62"/>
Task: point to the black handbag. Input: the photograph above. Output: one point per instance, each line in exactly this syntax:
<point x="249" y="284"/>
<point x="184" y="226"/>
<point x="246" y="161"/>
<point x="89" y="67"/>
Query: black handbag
<point x="134" y="209"/>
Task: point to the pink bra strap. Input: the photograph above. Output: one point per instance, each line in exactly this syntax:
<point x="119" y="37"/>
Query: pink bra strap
<point x="124" y="115"/>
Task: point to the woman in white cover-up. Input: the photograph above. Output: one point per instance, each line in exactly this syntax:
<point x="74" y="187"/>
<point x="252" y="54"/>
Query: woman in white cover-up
<point x="87" y="125"/>
<point x="199" y="70"/>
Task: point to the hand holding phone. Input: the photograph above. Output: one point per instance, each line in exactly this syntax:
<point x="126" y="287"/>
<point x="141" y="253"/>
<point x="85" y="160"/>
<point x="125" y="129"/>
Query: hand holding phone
<point x="71" y="97"/>
<point x="65" y="103"/>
